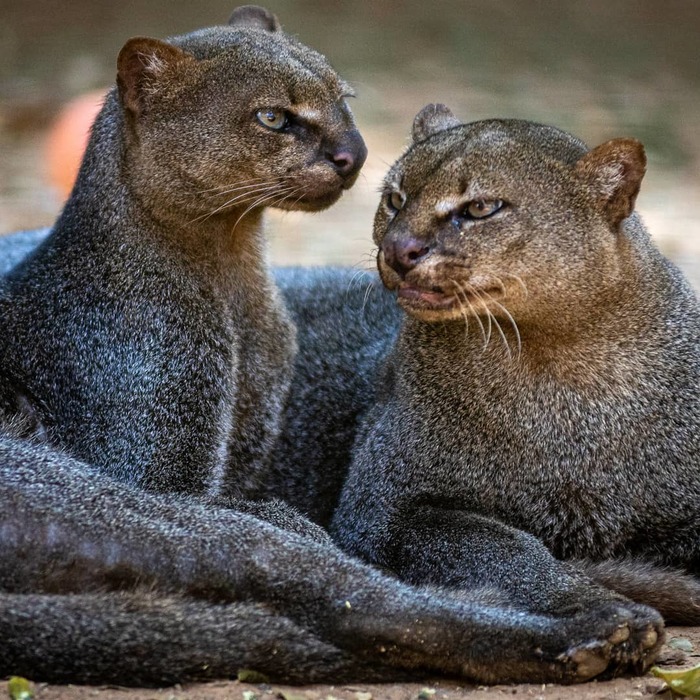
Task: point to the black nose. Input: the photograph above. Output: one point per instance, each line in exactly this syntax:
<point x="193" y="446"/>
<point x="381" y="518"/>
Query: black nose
<point x="349" y="155"/>
<point x="404" y="254"/>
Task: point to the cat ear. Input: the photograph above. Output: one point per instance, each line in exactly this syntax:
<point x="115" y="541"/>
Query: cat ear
<point x="254" y="17"/>
<point x="432" y="119"/>
<point x="141" y="65"/>
<point x="614" y="171"/>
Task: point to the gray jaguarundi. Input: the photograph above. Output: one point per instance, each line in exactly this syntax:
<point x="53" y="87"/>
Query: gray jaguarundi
<point x="144" y="363"/>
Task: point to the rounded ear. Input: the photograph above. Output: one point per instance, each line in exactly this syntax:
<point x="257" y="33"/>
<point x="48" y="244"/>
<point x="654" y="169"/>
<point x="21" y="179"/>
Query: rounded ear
<point x="432" y="119"/>
<point x="141" y="65"/>
<point x="614" y="172"/>
<point x="254" y="17"/>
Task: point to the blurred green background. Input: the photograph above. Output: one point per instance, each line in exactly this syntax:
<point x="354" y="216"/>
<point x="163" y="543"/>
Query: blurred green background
<point x="600" y="68"/>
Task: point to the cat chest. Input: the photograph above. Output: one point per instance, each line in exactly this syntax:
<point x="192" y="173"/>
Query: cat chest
<point x="498" y="454"/>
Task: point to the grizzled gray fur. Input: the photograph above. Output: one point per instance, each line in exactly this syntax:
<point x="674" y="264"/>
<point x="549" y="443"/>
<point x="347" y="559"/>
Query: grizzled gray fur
<point x="145" y="369"/>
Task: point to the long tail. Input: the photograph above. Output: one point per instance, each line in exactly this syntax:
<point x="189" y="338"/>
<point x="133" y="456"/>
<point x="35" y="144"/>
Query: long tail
<point x="141" y="639"/>
<point x="674" y="593"/>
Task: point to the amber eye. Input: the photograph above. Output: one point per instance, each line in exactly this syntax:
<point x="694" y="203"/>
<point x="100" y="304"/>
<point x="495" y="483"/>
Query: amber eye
<point x="396" y="200"/>
<point x="272" y="118"/>
<point x="481" y="208"/>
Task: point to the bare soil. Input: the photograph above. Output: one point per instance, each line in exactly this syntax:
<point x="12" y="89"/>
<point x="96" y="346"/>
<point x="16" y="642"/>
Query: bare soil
<point x="435" y="689"/>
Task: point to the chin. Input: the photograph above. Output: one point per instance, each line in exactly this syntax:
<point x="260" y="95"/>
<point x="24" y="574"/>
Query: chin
<point x="312" y="202"/>
<point x="431" y="314"/>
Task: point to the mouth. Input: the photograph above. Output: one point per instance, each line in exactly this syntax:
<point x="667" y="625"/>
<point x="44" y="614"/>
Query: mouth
<point x="435" y="298"/>
<point x="319" y="191"/>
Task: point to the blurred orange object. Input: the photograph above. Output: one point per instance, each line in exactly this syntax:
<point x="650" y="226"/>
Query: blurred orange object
<point x="67" y="138"/>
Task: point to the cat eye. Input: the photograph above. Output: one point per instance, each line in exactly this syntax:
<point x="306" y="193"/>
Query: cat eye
<point x="273" y="118"/>
<point x="481" y="208"/>
<point x="396" y="200"/>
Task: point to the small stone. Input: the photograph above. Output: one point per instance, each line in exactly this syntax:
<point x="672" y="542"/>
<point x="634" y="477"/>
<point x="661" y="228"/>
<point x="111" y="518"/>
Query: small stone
<point x="426" y="693"/>
<point x="363" y="695"/>
<point x="652" y="687"/>
<point x="285" y="695"/>
<point x="680" y="643"/>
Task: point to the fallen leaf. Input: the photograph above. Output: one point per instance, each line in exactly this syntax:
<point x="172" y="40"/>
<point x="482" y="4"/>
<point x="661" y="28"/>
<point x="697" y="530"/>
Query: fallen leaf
<point x="249" y="675"/>
<point x="685" y="682"/>
<point x="20" y="688"/>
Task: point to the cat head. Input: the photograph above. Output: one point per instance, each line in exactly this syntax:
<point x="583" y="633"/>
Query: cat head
<point x="235" y="118"/>
<point x="502" y="217"/>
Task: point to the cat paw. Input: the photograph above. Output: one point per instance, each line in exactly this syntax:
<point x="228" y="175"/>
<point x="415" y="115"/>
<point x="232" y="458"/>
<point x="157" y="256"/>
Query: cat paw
<point x="622" y="639"/>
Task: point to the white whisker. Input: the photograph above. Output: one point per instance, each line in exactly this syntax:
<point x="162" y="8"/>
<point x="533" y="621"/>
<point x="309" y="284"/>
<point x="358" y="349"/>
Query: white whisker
<point x="241" y="199"/>
<point x="512" y="322"/>
<point x="369" y="259"/>
<point x="225" y="189"/>
<point x="469" y="289"/>
<point x="473" y="311"/>
<point x="369" y="290"/>
<point x="519" y="280"/>
<point x="488" y="315"/>
<point x="264" y="199"/>
<point x="504" y="337"/>
<point x="355" y="277"/>
<point x="269" y="199"/>
<point x="465" y="315"/>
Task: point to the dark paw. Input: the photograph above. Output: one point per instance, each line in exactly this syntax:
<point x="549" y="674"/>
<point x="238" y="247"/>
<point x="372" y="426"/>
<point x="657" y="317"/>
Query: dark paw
<point x="623" y="638"/>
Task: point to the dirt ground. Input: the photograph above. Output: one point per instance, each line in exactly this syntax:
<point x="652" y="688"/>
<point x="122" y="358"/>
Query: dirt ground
<point x="436" y="689"/>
